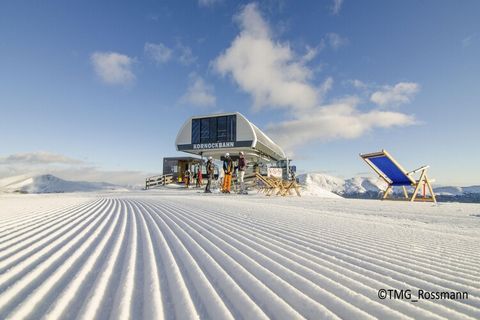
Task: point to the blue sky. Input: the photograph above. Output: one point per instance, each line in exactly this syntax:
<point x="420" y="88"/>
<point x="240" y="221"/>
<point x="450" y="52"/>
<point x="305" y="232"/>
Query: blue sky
<point x="99" y="89"/>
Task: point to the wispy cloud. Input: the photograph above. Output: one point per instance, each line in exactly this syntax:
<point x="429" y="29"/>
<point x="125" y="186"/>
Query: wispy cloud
<point x="468" y="40"/>
<point x="158" y="52"/>
<point x="133" y="178"/>
<point x="113" y="68"/>
<point x="335" y="40"/>
<point x="161" y="53"/>
<point x="39" y="157"/>
<point x="330" y="40"/>
<point x="34" y="163"/>
<point x="185" y="56"/>
<point x="401" y="93"/>
<point x="199" y="93"/>
<point x="336" y="6"/>
<point x="312" y="52"/>
<point x="208" y="3"/>
<point x="358" y="84"/>
<point x="277" y="78"/>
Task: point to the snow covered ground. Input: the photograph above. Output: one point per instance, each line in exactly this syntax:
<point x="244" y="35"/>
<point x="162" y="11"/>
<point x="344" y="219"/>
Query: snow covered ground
<point x="182" y="254"/>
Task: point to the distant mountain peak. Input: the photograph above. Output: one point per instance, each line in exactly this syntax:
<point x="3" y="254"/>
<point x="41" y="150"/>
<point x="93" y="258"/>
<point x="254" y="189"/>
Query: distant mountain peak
<point x="341" y="186"/>
<point x="370" y="187"/>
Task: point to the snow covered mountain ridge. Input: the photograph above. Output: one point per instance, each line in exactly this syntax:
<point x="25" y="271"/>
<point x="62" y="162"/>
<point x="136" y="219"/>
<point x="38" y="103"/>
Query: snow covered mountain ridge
<point x="342" y="186"/>
<point x="47" y="183"/>
<point x="368" y="187"/>
<point x="314" y="184"/>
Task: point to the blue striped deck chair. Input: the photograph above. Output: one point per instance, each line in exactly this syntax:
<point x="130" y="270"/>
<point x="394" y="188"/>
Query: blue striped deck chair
<point x="394" y="175"/>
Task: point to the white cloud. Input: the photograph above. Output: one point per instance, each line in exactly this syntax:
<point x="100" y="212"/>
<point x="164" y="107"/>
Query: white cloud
<point x="358" y="84"/>
<point x="208" y="3"/>
<point x="312" y="52"/>
<point x="335" y="40"/>
<point x="401" y="93"/>
<point x="34" y="163"/>
<point x="113" y="68"/>
<point x="332" y="40"/>
<point x="340" y="120"/>
<point x="159" y="52"/>
<point x="35" y="158"/>
<point x="276" y="77"/>
<point x="185" y="56"/>
<point x="326" y="86"/>
<point x="337" y="6"/>
<point x="94" y="174"/>
<point x="269" y="71"/>
<point x="199" y="93"/>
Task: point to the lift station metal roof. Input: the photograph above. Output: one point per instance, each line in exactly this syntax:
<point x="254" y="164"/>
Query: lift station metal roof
<point x="214" y="135"/>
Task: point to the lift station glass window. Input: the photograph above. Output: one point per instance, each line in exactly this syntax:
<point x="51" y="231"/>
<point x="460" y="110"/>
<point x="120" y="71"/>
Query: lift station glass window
<point x="214" y="129"/>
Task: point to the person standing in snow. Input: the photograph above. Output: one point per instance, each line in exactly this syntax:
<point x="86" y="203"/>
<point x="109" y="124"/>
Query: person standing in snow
<point x="198" y="177"/>
<point x="242" y="166"/>
<point x="228" y="170"/>
<point x="187" y="178"/>
<point x="210" y="172"/>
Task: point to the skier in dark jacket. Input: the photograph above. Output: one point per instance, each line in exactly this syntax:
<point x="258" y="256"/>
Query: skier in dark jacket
<point x="198" y="177"/>
<point x="228" y="170"/>
<point x="242" y="167"/>
<point x="187" y="178"/>
<point x="210" y="172"/>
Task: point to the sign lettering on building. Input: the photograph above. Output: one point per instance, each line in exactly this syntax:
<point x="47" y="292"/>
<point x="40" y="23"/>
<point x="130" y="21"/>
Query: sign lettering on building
<point x="213" y="145"/>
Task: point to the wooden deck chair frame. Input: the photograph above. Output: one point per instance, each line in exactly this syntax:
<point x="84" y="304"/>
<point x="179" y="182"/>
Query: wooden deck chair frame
<point x="268" y="186"/>
<point x="416" y="184"/>
<point x="278" y="186"/>
<point x="289" y="186"/>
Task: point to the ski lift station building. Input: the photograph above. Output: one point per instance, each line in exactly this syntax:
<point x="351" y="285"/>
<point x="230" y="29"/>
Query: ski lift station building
<point x="214" y="135"/>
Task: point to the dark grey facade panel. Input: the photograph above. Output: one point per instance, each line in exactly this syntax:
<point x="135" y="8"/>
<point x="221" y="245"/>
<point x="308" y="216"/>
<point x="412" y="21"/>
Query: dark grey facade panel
<point x="214" y="129"/>
<point x="195" y="131"/>
<point x="168" y="165"/>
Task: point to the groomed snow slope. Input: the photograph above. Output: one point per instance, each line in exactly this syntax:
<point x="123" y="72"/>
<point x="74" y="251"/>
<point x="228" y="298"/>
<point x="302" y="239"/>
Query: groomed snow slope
<point x="182" y="254"/>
